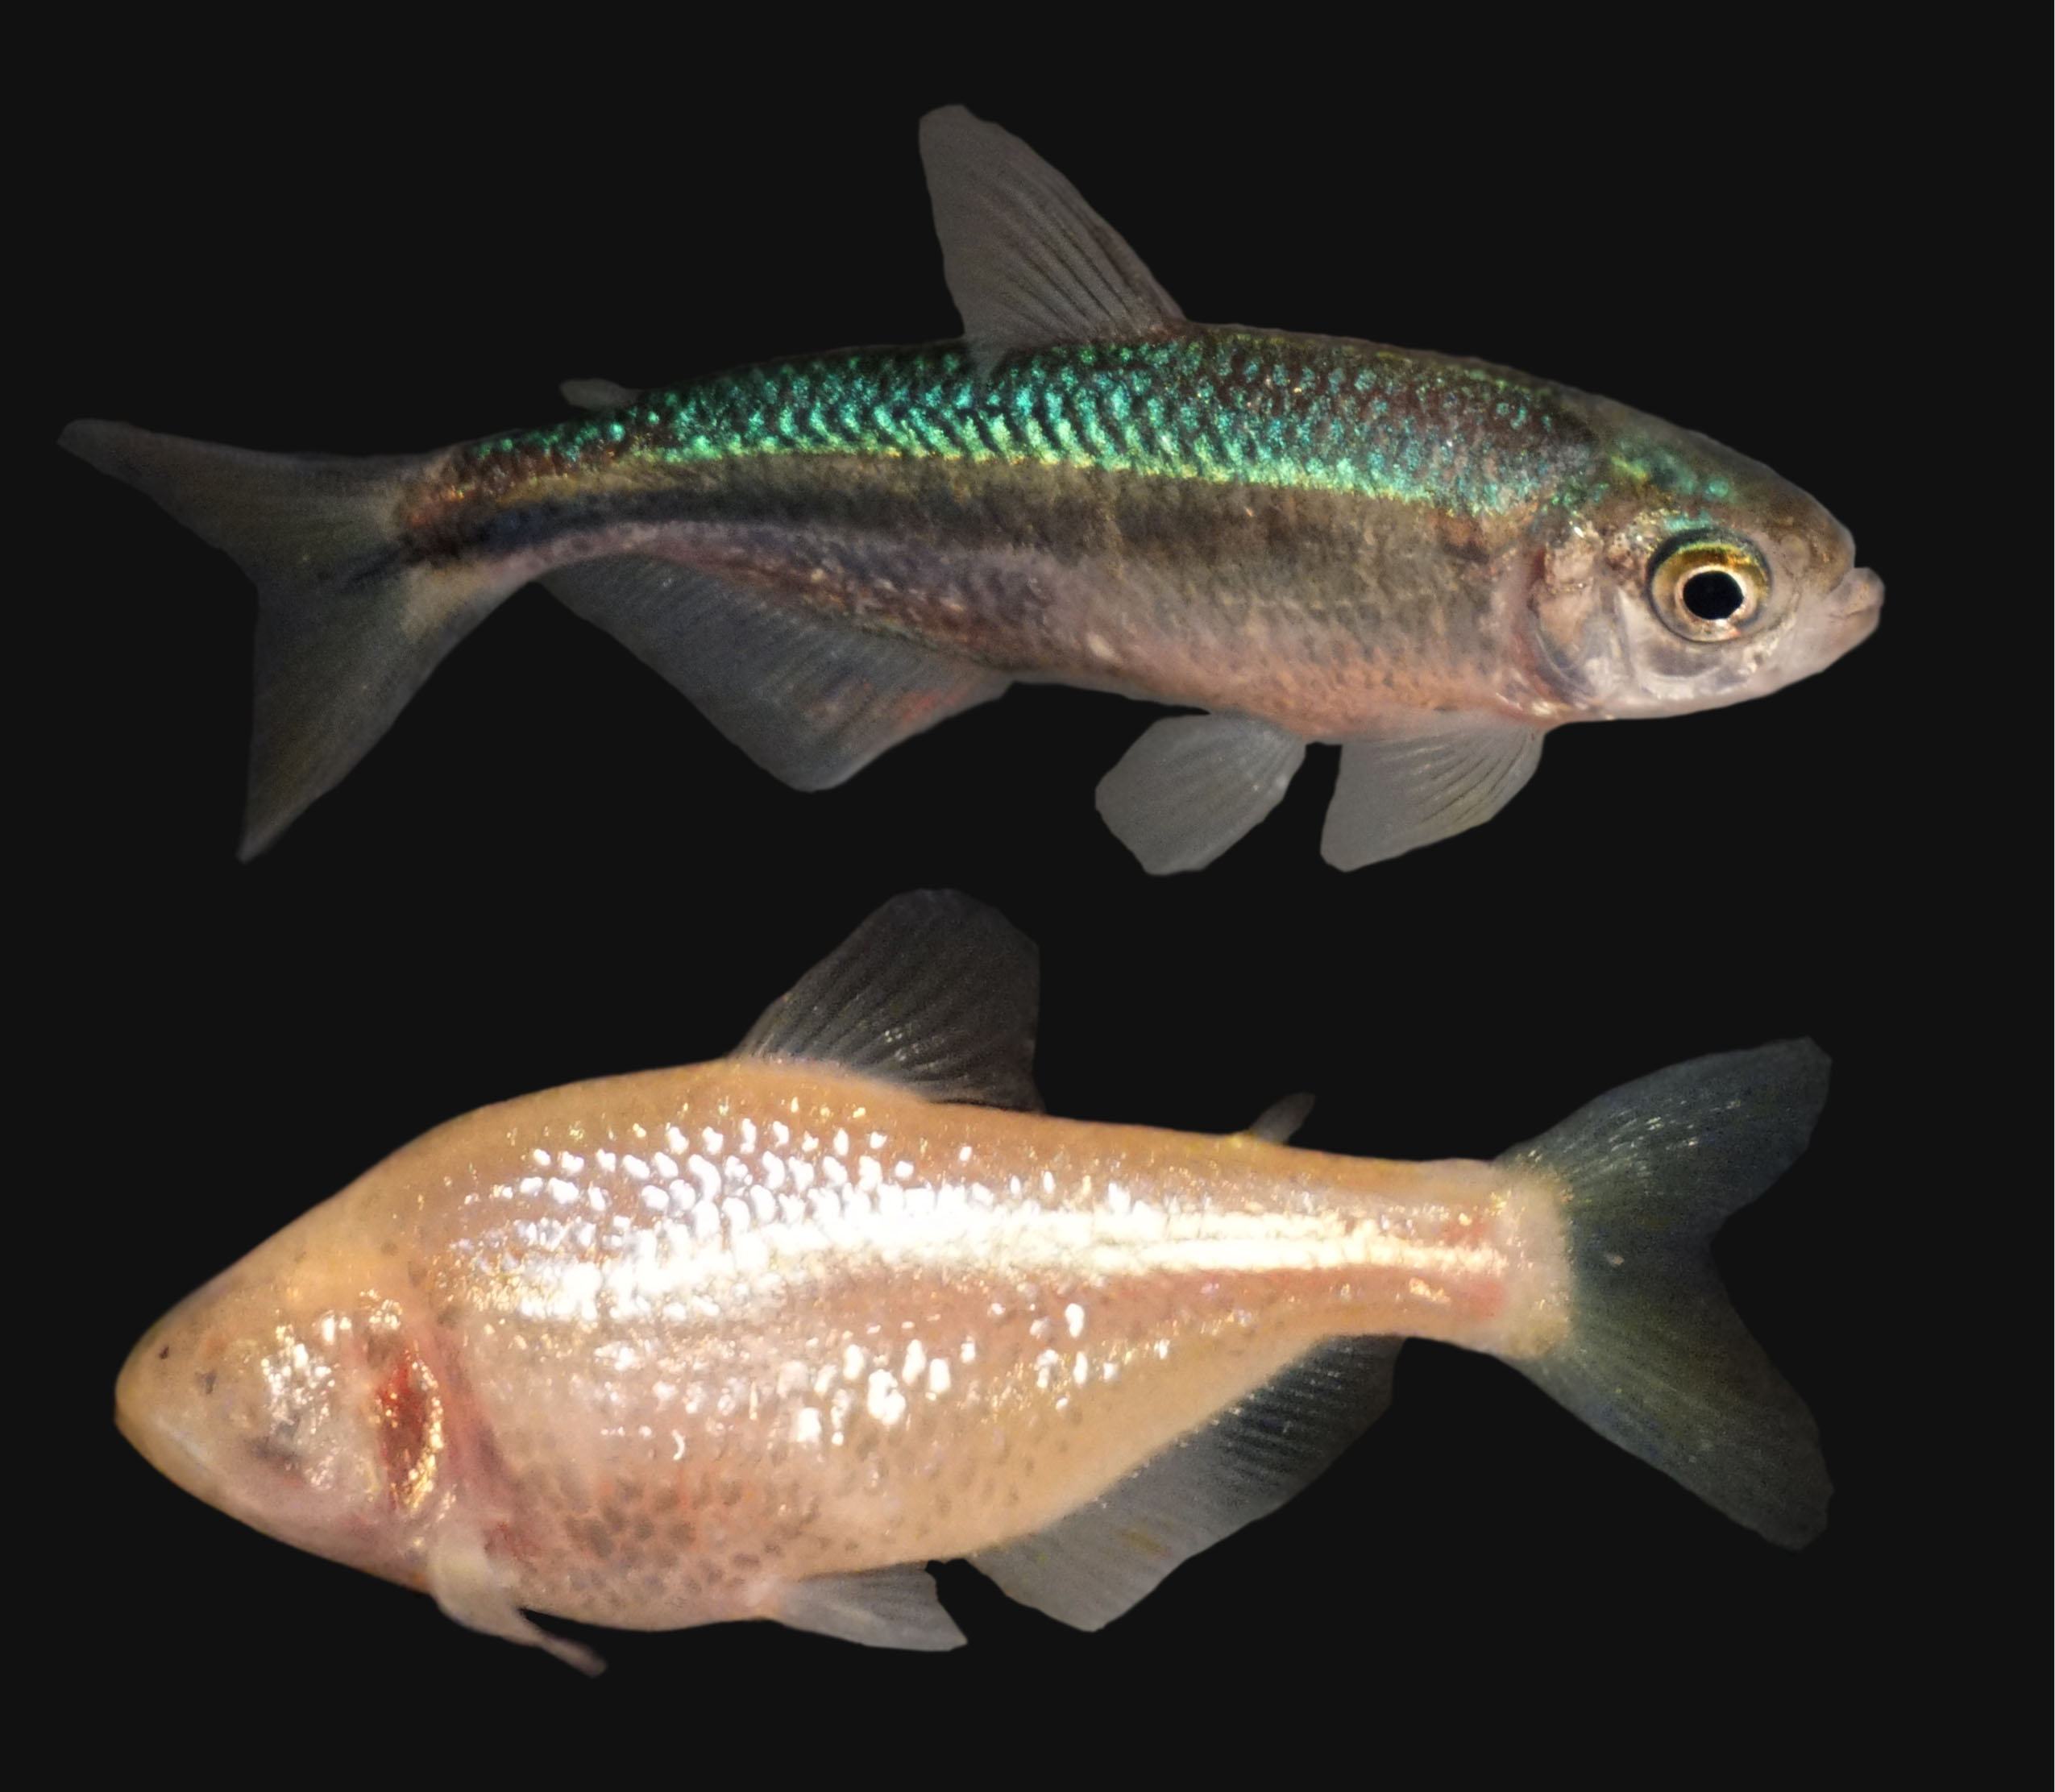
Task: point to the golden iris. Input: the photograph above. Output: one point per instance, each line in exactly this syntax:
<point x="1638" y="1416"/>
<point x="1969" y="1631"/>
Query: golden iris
<point x="1709" y="588"/>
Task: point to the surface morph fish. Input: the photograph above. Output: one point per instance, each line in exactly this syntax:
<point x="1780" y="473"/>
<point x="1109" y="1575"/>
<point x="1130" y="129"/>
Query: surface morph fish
<point x="759" y="1338"/>
<point x="1430" y="560"/>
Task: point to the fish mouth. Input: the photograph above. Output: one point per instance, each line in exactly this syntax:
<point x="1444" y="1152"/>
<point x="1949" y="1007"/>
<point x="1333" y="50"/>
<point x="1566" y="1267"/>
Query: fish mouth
<point x="162" y="1448"/>
<point x="1857" y="601"/>
<point x="145" y="1416"/>
<point x="165" y="1450"/>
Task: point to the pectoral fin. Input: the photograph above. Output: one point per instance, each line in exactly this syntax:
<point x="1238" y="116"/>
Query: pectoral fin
<point x="811" y="700"/>
<point x="1395" y="794"/>
<point x="934" y="992"/>
<point x="1028" y="262"/>
<point x="1088" y="1568"/>
<point x="468" y="1588"/>
<point x="1194" y="785"/>
<point x="888" y="1608"/>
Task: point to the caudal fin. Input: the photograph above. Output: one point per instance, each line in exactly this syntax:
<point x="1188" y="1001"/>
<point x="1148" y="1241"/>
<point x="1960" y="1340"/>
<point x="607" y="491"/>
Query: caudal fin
<point x="347" y="626"/>
<point x="1656" y="1358"/>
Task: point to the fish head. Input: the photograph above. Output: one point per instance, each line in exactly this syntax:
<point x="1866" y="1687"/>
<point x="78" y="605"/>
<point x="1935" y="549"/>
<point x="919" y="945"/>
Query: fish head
<point x="285" y="1395"/>
<point x="1693" y="577"/>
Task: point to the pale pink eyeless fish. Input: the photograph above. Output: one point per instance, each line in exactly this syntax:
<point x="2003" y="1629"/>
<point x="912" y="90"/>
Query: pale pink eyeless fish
<point x="760" y="1338"/>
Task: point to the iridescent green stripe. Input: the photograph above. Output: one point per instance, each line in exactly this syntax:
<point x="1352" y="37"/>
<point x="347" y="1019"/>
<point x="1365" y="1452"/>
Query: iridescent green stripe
<point x="1217" y="407"/>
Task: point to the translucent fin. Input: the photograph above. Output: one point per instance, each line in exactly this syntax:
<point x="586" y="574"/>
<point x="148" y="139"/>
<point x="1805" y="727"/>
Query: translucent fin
<point x="1028" y="262"/>
<point x="1656" y="1359"/>
<point x="462" y="1579"/>
<point x="888" y="1608"/>
<point x="934" y="992"/>
<point x="1278" y="1123"/>
<point x="1410" y="790"/>
<point x="598" y="395"/>
<point x="1194" y="785"/>
<point x="347" y="631"/>
<point x="812" y="702"/>
<point x="1106" y="1556"/>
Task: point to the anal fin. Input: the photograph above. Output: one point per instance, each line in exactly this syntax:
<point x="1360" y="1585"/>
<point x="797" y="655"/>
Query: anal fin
<point x="1403" y="791"/>
<point x="1090" y="1567"/>
<point x="887" y="1608"/>
<point x="1194" y="785"/>
<point x="811" y="700"/>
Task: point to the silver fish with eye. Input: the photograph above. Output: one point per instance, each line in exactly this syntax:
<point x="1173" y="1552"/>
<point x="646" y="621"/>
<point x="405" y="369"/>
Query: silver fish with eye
<point x="1428" y="559"/>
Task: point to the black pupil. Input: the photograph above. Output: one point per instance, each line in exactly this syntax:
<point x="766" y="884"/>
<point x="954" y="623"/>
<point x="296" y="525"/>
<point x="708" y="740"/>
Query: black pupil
<point x="1714" y="596"/>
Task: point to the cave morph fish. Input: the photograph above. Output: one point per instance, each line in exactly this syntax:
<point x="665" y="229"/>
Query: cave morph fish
<point x="1428" y="559"/>
<point x="760" y="1338"/>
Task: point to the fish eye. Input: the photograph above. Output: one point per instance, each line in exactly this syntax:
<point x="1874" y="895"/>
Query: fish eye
<point x="1709" y="588"/>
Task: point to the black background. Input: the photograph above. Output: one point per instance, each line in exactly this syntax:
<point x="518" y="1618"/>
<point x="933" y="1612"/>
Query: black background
<point x="553" y="868"/>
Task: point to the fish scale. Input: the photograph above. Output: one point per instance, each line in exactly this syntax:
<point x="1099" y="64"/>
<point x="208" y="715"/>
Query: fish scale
<point x="1215" y="406"/>
<point x="1223" y="490"/>
<point x="1067" y="1298"/>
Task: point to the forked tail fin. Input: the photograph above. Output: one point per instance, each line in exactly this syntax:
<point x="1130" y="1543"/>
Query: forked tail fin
<point x="347" y="626"/>
<point x="1656" y="1358"/>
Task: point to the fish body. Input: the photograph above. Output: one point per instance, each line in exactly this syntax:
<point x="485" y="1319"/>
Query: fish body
<point x="1333" y="536"/>
<point x="788" y="1324"/>
<point x="758" y="1338"/>
<point x="1154" y="519"/>
<point x="1428" y="559"/>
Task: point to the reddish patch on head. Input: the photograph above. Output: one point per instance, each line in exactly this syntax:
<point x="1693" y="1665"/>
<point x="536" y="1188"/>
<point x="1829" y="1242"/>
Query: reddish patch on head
<point x="410" y="1433"/>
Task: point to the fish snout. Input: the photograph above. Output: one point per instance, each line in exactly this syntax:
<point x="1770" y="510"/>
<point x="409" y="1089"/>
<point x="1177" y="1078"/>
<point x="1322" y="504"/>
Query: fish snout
<point x="1854" y="608"/>
<point x="140" y="1413"/>
<point x="1859" y="594"/>
<point x="159" y="1397"/>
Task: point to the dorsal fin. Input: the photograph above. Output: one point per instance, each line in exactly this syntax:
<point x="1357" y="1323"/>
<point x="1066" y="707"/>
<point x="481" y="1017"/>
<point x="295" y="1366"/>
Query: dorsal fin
<point x="1028" y="262"/>
<point x="935" y="992"/>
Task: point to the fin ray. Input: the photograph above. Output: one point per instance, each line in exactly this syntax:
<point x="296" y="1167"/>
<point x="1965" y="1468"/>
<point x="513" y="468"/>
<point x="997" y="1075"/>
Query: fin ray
<point x="1104" y="1559"/>
<point x="1657" y="1360"/>
<point x="347" y="629"/>
<point x="1192" y="785"/>
<point x="885" y="1608"/>
<point x="464" y="1583"/>
<point x="812" y="701"/>
<point x="934" y="992"/>
<point x="1028" y="263"/>
<point x="1399" y="792"/>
